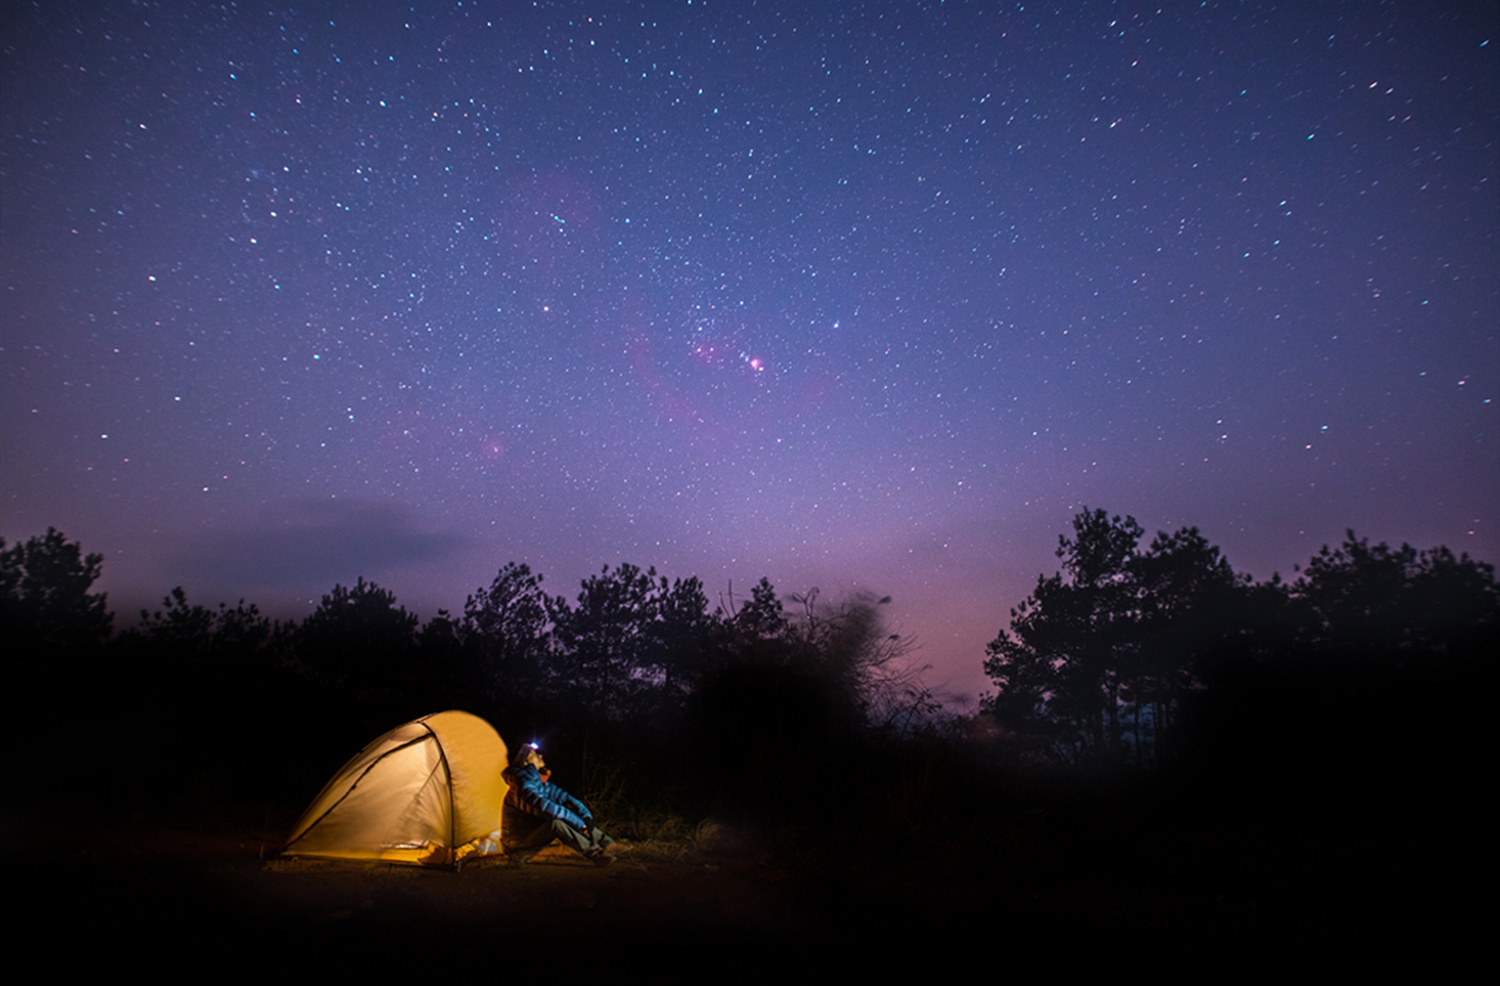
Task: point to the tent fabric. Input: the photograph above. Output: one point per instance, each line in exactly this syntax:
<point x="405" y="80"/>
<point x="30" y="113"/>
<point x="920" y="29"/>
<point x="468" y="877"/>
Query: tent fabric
<point x="429" y="792"/>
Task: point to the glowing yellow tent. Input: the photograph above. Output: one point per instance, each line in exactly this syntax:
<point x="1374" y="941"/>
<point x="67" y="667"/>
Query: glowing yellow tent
<point x="428" y="792"/>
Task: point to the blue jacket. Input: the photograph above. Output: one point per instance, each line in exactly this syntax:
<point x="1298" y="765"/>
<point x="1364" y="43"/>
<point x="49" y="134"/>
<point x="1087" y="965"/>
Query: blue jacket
<point x="531" y="799"/>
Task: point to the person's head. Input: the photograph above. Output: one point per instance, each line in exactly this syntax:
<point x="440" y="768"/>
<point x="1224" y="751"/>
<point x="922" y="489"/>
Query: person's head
<point x="529" y="753"/>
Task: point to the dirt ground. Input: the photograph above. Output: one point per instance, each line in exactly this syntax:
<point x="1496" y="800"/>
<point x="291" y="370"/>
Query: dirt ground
<point x="148" y="896"/>
<point x="138" y="895"/>
<point x="165" y="897"/>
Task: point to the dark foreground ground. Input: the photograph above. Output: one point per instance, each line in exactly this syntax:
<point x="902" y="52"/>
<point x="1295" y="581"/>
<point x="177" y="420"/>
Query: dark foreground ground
<point x="1045" y="898"/>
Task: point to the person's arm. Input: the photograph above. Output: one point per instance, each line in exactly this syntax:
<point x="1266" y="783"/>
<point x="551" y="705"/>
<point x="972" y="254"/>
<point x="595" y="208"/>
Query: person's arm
<point x="542" y="799"/>
<point x="571" y="804"/>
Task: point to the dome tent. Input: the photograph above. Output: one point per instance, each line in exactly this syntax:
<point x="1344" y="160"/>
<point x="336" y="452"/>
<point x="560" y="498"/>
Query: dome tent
<point x="429" y="792"/>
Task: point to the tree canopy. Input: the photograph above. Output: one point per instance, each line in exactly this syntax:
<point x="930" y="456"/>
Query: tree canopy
<point x="1399" y="603"/>
<point x="1100" y="663"/>
<point x="45" y="600"/>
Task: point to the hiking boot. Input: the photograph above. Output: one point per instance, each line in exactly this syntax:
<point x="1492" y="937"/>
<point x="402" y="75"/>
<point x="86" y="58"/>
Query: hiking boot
<point x="599" y="857"/>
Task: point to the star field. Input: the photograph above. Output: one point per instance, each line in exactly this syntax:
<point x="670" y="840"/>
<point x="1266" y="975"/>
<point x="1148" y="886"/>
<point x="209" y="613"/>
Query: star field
<point x="858" y="295"/>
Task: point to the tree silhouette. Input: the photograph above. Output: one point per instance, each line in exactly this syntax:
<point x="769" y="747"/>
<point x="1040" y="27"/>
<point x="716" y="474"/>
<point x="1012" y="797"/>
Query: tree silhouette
<point x="190" y="633"/>
<point x="209" y="660"/>
<point x="350" y="627"/>
<point x="45" y="604"/>
<point x="634" y="642"/>
<point x="55" y="632"/>
<point x="1371" y="665"/>
<point x="1059" y="666"/>
<point x="683" y="636"/>
<point x="849" y="645"/>
<point x="605" y="639"/>
<point x="1099" y="661"/>
<point x="1398" y="604"/>
<point x="759" y="624"/>
<point x="361" y="648"/>
<point x="1191" y="613"/>
<point x="508" y="630"/>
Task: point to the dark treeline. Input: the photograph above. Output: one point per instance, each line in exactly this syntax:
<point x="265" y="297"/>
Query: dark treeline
<point x="1157" y="661"/>
<point x="1111" y="660"/>
<point x="1348" y="700"/>
<point x="639" y="682"/>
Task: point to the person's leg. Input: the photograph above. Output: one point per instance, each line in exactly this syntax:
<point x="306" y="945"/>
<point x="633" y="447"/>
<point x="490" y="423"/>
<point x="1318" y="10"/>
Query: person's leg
<point x="591" y="843"/>
<point x="529" y="844"/>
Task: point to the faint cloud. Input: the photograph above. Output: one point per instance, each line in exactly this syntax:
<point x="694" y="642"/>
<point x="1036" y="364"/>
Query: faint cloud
<point x="314" y="543"/>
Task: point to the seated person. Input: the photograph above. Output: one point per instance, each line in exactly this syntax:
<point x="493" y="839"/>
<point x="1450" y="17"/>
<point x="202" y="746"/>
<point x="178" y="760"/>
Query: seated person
<point x="537" y="811"/>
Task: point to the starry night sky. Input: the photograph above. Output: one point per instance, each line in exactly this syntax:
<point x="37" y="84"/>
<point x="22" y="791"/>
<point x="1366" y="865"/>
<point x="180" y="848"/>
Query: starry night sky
<point x="857" y="296"/>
